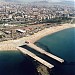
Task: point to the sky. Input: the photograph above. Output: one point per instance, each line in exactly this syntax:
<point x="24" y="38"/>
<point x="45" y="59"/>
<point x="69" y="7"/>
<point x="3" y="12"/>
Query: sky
<point x="39" y="0"/>
<point x="45" y="0"/>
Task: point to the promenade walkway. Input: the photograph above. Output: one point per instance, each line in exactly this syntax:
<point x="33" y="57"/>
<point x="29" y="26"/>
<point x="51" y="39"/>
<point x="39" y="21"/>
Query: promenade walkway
<point x="25" y="51"/>
<point x="44" y="52"/>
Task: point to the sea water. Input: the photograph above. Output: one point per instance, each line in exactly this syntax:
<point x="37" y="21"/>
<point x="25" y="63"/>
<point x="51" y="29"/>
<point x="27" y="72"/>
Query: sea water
<point x="15" y="63"/>
<point x="61" y="44"/>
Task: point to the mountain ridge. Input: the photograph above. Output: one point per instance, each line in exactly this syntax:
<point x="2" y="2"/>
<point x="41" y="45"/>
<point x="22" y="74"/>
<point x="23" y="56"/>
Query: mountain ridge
<point x="42" y="2"/>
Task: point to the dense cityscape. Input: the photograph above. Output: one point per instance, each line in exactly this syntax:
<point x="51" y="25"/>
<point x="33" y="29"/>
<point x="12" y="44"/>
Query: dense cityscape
<point x="19" y="20"/>
<point x="25" y="13"/>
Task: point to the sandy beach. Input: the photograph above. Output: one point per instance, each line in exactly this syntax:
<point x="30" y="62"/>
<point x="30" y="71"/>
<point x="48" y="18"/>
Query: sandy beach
<point x="12" y="44"/>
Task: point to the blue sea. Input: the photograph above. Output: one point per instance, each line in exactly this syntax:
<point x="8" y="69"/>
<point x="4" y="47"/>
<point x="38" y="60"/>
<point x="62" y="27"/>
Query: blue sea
<point x="60" y="44"/>
<point x="15" y="63"/>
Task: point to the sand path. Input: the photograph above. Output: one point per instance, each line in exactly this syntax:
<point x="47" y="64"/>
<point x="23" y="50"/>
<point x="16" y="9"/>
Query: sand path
<point x="12" y="44"/>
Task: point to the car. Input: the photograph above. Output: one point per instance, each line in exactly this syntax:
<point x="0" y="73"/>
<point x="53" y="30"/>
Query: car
<point x="26" y="42"/>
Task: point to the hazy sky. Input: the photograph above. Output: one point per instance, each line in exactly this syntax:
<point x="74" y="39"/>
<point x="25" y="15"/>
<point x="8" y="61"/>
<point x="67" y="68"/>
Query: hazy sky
<point x="44" y="0"/>
<point x="38" y="0"/>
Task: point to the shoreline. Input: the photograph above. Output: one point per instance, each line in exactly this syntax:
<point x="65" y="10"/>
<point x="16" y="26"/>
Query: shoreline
<point x="12" y="44"/>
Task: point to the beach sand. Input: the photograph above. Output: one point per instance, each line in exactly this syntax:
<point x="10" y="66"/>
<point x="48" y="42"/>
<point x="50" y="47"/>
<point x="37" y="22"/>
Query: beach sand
<point x="12" y="44"/>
